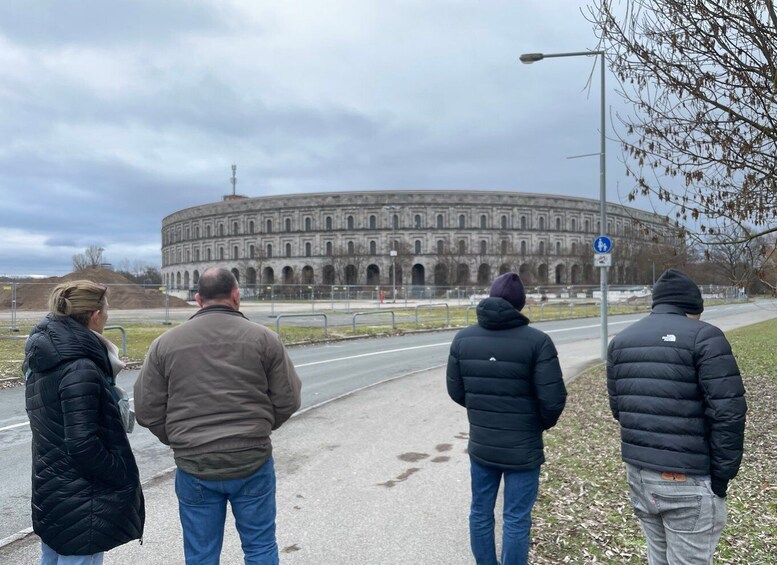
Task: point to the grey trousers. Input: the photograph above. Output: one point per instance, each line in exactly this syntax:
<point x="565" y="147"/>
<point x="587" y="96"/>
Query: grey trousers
<point x="681" y="517"/>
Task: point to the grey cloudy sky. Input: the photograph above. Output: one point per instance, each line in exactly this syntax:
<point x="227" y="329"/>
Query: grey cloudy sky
<point x="115" y="114"/>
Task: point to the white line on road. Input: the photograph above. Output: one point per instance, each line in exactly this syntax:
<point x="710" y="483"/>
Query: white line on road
<point x="14" y="426"/>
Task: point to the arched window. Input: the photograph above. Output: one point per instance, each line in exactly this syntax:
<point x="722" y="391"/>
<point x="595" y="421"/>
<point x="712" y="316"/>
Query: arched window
<point x="417" y="246"/>
<point x="251" y="251"/>
<point x="221" y="230"/>
<point x="542" y="223"/>
<point x="503" y="247"/>
<point x="373" y="222"/>
<point x="197" y="254"/>
<point x="288" y="250"/>
<point x="574" y="224"/>
<point x="251" y="226"/>
<point x="221" y="253"/>
<point x="196" y="232"/>
<point x="269" y="226"/>
<point x="287" y="223"/>
<point x="523" y="222"/>
<point x="483" y="246"/>
<point x="558" y="224"/>
<point x="234" y="227"/>
<point x="329" y="223"/>
<point x="440" y="247"/>
<point x="373" y="248"/>
<point x="542" y="248"/>
<point x="523" y="248"/>
<point x="439" y="221"/>
<point x="395" y="222"/>
<point x="329" y="248"/>
<point x="308" y="224"/>
<point x="483" y="222"/>
<point x="349" y="222"/>
<point x="308" y="249"/>
<point x="558" y="248"/>
<point x="462" y="222"/>
<point x="234" y="252"/>
<point x="504" y="222"/>
<point x="462" y="247"/>
<point x="350" y="248"/>
<point x="417" y="221"/>
<point x="588" y="226"/>
<point x="269" y="250"/>
<point x="574" y="247"/>
<point x="208" y="254"/>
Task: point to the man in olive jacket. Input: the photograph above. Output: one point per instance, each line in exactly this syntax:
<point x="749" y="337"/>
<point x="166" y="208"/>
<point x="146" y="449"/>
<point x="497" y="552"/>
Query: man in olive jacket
<point x="675" y="388"/>
<point x="213" y="389"/>
<point x="508" y="377"/>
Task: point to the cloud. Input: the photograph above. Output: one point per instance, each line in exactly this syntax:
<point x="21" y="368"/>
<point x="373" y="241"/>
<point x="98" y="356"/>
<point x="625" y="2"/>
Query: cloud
<point x="118" y="114"/>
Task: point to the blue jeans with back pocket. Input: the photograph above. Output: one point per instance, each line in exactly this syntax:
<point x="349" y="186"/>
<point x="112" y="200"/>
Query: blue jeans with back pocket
<point x="202" y="506"/>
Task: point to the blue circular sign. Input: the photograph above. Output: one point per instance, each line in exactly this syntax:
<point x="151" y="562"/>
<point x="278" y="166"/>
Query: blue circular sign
<point x="602" y="244"/>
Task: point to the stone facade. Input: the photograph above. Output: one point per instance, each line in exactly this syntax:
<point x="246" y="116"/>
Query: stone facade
<point x="441" y="238"/>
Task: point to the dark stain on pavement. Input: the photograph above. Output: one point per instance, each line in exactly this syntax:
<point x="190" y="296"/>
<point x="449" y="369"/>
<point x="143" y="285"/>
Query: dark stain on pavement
<point x="412" y="457"/>
<point x="442" y="447"/>
<point x="403" y="477"/>
<point x="291" y="548"/>
<point x="441" y="459"/>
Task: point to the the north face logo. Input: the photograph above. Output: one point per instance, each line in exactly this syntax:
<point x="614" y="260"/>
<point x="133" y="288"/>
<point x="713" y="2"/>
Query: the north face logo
<point x="669" y="337"/>
<point x="492" y="359"/>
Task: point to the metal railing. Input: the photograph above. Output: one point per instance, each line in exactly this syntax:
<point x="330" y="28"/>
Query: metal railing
<point x="278" y="321"/>
<point x="123" y="337"/>
<point x="373" y="313"/>
<point x="434" y="305"/>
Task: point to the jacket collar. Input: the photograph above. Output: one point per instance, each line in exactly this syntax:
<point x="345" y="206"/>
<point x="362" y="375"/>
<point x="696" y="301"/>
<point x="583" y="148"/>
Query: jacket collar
<point x="668" y="309"/>
<point x="498" y="314"/>
<point x="216" y="308"/>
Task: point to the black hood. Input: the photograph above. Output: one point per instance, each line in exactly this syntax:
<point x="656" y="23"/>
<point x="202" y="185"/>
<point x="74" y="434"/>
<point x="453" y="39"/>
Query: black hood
<point x="498" y="314"/>
<point x="57" y="340"/>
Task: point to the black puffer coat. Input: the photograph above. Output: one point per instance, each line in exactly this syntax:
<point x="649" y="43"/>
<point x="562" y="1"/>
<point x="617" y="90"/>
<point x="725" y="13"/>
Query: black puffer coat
<point x="86" y="495"/>
<point x="508" y="377"/>
<point x="675" y="387"/>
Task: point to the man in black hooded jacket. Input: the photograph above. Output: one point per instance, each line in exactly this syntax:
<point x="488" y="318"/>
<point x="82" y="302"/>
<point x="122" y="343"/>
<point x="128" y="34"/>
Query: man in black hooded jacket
<point x="508" y="377"/>
<point x="675" y="388"/>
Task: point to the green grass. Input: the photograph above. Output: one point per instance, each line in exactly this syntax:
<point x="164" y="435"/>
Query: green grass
<point x="583" y="512"/>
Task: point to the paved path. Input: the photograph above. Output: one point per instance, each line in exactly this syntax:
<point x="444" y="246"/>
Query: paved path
<point x="379" y="477"/>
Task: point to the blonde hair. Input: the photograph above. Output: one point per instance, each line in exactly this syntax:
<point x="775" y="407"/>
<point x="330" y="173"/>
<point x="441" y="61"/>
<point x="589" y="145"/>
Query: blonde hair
<point x="77" y="299"/>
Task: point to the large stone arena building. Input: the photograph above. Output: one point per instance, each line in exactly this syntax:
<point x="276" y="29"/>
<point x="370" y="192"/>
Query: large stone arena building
<point x="403" y="238"/>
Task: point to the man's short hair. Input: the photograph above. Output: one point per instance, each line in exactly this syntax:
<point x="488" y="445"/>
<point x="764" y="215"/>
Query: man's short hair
<point x="216" y="284"/>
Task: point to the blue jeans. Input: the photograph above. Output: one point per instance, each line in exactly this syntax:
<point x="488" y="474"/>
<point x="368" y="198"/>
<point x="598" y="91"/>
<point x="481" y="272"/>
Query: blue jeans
<point x="202" y="506"/>
<point x="50" y="557"/>
<point x="681" y="517"/>
<point x="520" y="493"/>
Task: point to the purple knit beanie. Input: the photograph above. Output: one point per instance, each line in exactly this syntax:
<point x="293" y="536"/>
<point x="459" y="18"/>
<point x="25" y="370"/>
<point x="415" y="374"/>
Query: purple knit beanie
<point x="509" y="287"/>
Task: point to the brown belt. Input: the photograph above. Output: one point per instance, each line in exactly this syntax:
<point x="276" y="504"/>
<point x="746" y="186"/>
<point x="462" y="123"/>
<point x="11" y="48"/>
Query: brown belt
<point x="669" y="476"/>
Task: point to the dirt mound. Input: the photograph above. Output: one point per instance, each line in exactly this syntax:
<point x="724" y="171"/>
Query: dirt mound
<point x="122" y="293"/>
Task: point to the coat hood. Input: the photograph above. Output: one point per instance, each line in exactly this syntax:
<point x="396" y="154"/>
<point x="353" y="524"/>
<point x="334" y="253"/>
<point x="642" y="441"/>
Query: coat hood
<point x="57" y="340"/>
<point x="498" y="314"/>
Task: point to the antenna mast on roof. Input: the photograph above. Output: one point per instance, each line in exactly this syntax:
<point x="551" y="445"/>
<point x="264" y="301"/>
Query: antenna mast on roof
<point x="233" y="180"/>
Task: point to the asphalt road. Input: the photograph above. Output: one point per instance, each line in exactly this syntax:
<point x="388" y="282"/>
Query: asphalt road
<point x="327" y="371"/>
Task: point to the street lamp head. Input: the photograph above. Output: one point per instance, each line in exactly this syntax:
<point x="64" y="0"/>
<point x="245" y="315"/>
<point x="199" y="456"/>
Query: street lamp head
<point x="529" y="58"/>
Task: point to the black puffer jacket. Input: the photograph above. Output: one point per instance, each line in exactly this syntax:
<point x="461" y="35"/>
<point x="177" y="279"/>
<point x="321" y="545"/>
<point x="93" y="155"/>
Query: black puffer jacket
<point x="508" y="377"/>
<point x="675" y="387"/>
<point x="86" y="495"/>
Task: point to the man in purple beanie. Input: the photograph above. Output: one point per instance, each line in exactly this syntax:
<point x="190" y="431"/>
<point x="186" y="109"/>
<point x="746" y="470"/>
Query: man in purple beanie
<point x="507" y="375"/>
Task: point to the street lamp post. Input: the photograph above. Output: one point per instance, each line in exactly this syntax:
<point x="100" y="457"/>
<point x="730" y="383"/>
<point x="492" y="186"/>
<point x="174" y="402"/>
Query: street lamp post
<point x="529" y="58"/>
